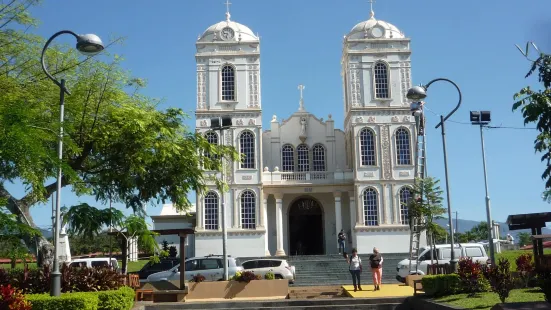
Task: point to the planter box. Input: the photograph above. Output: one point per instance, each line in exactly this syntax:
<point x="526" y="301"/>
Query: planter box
<point x="221" y="290"/>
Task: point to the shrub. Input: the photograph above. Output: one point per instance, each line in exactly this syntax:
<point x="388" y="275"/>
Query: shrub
<point x="89" y="279"/>
<point x="236" y="277"/>
<point x="198" y="278"/>
<point x="172" y="252"/>
<point x="73" y="301"/>
<point x="525" y="268"/>
<point x="246" y="276"/>
<point x="12" y="299"/>
<point x="121" y="299"/>
<point x="441" y="285"/>
<point x="501" y="279"/>
<point x="471" y="277"/>
<point x="269" y="276"/>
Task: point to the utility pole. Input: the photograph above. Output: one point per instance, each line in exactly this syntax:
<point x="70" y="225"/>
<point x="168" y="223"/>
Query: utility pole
<point x="483" y="118"/>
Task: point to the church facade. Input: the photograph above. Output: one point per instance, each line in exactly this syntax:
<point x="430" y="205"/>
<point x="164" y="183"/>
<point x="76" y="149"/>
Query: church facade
<point x="301" y="179"/>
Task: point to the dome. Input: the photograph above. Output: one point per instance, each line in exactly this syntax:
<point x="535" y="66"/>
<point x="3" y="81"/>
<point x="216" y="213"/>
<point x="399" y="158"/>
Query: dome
<point x="375" y="29"/>
<point x="228" y="30"/>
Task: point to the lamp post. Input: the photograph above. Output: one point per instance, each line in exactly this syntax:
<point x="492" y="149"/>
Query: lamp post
<point x="419" y="93"/>
<point x="221" y="123"/>
<point x="87" y="44"/>
<point x="483" y="118"/>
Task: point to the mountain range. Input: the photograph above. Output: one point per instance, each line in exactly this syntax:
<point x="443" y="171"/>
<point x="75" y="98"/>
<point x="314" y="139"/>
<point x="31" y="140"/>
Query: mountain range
<point x="466" y="225"/>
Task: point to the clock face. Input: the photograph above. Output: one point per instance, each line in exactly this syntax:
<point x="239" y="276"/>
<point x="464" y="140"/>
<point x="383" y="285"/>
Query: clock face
<point x="377" y="32"/>
<point x="227" y="33"/>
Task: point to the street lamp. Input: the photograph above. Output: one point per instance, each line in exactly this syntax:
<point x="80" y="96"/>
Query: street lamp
<point x="221" y="123"/>
<point x="87" y="44"/>
<point x="483" y="118"/>
<point x="420" y="93"/>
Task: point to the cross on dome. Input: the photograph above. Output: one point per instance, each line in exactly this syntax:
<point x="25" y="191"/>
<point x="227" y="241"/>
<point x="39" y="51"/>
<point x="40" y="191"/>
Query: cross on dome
<point x="228" y="3"/>
<point x="371" y="13"/>
<point x="301" y="89"/>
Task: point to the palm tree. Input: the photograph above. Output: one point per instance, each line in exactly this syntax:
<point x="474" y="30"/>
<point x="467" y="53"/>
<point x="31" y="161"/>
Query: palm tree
<point x="86" y="221"/>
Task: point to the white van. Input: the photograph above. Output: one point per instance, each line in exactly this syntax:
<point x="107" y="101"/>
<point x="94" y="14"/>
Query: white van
<point x="94" y="262"/>
<point x="441" y="255"/>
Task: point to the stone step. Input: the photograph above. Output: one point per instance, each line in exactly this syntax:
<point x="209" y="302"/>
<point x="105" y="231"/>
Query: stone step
<point x="335" y="303"/>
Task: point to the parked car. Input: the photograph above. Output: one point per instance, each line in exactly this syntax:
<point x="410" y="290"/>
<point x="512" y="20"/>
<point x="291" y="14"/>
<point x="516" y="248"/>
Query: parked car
<point x="441" y="255"/>
<point x="279" y="267"/>
<point x="151" y="268"/>
<point x="94" y="262"/>
<point x="211" y="267"/>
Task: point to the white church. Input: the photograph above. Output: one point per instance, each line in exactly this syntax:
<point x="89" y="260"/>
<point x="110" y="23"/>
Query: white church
<point x="302" y="179"/>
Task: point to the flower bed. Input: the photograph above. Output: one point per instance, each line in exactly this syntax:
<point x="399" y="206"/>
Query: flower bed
<point x="256" y="289"/>
<point x="121" y="299"/>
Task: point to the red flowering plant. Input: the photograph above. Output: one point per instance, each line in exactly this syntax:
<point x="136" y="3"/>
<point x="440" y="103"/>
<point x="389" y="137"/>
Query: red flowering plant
<point x="12" y="299"/>
<point x="525" y="268"/>
<point x="198" y="278"/>
<point x="471" y="277"/>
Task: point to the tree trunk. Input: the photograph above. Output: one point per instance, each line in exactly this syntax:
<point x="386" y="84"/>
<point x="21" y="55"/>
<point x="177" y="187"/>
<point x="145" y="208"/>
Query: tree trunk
<point x="38" y="244"/>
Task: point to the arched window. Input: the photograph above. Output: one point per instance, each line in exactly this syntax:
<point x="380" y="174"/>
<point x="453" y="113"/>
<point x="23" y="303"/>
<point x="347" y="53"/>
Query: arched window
<point x="287" y="158"/>
<point x="318" y="158"/>
<point x="371" y="207"/>
<point x="248" y="210"/>
<point x="367" y="147"/>
<point x="403" y="147"/>
<point x="211" y="211"/>
<point x="405" y="196"/>
<point x="212" y="138"/>
<point x="246" y="147"/>
<point x="228" y="83"/>
<point x="381" y="81"/>
<point x="303" y="158"/>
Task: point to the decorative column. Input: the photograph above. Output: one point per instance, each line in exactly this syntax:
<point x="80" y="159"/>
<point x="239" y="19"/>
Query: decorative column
<point x="353" y="220"/>
<point x="264" y="219"/>
<point x="235" y="205"/>
<point x="279" y="223"/>
<point x="359" y="209"/>
<point x="338" y="213"/>
<point x="199" y="213"/>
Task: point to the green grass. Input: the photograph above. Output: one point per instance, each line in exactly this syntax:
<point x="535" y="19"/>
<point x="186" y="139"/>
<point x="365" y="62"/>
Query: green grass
<point x="488" y="300"/>
<point x="132" y="266"/>
<point x="512" y="256"/>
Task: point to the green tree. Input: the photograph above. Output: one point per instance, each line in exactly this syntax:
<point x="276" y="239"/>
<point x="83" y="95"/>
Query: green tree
<point x="524" y="239"/>
<point x="536" y="108"/>
<point x="427" y="205"/>
<point x="117" y="145"/>
<point x="11" y="234"/>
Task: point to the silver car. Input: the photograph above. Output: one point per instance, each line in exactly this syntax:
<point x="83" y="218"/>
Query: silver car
<point x="211" y="267"/>
<point x="279" y="267"/>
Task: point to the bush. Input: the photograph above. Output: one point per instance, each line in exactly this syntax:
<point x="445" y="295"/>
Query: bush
<point x="172" y="251"/>
<point x="471" y="277"/>
<point x="198" y="278"/>
<point x="121" y="299"/>
<point x="246" y="276"/>
<point x="501" y="279"/>
<point x="269" y="276"/>
<point x="441" y="285"/>
<point x="12" y="299"/>
<point x="72" y="301"/>
<point x="525" y="268"/>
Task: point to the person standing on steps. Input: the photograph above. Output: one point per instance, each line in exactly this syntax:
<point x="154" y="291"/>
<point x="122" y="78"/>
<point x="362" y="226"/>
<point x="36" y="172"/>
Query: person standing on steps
<point x="342" y="242"/>
<point x="355" y="267"/>
<point x="376" y="261"/>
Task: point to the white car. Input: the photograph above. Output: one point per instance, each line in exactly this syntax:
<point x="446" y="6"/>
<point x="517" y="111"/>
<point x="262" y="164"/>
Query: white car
<point x="279" y="267"/>
<point x="94" y="262"/>
<point x="441" y="255"/>
<point x="211" y="267"/>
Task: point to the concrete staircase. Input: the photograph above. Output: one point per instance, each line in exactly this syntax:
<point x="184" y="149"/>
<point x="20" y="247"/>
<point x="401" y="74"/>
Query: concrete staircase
<point x="325" y="270"/>
<point x="332" y="270"/>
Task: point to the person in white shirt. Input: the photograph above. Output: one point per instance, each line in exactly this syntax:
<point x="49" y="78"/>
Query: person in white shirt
<point x="355" y="267"/>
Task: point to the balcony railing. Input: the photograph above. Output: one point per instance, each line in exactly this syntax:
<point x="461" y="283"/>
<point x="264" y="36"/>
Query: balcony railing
<point x="311" y="177"/>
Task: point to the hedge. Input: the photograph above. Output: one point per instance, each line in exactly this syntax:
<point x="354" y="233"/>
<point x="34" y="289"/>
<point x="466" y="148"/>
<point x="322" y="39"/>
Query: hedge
<point x="441" y="285"/>
<point x="121" y="299"/>
<point x="69" y="301"/>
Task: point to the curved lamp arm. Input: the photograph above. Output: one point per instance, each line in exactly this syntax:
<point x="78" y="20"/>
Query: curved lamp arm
<point x="458" y="90"/>
<point x="42" y="59"/>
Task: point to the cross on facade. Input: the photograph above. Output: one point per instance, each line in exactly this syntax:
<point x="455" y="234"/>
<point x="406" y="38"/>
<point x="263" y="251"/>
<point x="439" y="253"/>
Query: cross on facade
<point x="228" y="3"/>
<point x="301" y="89"/>
<point x="371" y="4"/>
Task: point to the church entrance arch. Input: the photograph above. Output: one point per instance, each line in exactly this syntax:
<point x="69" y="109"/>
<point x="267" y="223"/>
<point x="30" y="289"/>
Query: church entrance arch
<point x="306" y="227"/>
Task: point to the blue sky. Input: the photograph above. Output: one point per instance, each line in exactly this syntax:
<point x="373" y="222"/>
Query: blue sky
<point x="470" y="42"/>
